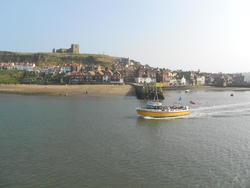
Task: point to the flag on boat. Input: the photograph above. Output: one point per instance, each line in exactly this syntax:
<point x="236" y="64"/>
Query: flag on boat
<point x="192" y="102"/>
<point x="180" y="98"/>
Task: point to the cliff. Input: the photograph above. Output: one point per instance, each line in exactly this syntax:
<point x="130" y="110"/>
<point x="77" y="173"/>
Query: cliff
<point x="56" y="58"/>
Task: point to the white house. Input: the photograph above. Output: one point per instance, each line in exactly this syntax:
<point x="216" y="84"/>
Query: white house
<point x="200" y="80"/>
<point x="65" y="69"/>
<point x="25" y="66"/>
<point x="183" y="81"/>
<point x="144" y="80"/>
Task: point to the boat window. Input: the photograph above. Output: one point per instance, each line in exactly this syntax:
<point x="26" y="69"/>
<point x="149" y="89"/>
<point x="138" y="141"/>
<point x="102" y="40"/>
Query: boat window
<point x="154" y="107"/>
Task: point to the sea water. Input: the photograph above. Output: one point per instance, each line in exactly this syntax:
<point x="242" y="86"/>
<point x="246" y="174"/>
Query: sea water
<point x="96" y="142"/>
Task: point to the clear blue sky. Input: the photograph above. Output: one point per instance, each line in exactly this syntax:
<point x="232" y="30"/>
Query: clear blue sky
<point x="210" y="35"/>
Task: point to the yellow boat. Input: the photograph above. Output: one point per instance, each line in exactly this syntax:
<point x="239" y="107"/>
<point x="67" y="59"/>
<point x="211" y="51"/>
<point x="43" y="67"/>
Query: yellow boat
<point x="157" y="110"/>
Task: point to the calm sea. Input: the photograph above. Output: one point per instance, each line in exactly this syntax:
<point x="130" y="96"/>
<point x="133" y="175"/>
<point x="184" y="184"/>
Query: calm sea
<point x="63" y="142"/>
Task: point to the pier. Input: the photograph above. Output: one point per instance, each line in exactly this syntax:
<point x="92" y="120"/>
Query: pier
<point x="148" y="91"/>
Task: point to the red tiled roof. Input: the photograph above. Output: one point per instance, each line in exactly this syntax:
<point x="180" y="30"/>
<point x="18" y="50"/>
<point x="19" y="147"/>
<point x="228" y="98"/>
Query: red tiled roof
<point x="92" y="73"/>
<point x="77" y="74"/>
<point x="100" y="73"/>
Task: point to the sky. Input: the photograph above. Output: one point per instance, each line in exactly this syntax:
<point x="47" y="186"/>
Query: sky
<point x="209" y="35"/>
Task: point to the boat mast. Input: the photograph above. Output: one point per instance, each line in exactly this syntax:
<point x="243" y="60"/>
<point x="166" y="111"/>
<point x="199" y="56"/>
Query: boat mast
<point x="156" y="94"/>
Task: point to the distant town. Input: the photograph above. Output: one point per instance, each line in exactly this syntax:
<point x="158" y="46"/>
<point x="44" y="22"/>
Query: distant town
<point x="121" y="71"/>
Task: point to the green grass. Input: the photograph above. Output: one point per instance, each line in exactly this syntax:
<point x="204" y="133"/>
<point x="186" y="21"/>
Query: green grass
<point x="11" y="76"/>
<point x="43" y="59"/>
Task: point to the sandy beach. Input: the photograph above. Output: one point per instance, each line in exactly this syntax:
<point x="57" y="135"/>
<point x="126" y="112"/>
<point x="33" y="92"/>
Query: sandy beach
<point x="68" y="90"/>
<point x="91" y="90"/>
<point x="212" y="88"/>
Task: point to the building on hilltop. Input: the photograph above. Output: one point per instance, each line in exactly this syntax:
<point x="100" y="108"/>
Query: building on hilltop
<point x="75" y="49"/>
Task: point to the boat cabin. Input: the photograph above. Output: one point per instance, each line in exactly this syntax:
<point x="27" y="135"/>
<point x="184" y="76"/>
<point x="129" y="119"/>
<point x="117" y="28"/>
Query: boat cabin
<point x="154" y="105"/>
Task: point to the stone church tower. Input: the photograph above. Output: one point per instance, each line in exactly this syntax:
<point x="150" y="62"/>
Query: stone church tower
<point x="75" y="49"/>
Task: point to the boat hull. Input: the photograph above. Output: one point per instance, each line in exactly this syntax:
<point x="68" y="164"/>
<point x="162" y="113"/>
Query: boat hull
<point x="160" y="114"/>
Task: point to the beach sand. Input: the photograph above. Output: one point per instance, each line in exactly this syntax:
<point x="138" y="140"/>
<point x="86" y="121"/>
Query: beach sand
<point x="68" y="90"/>
<point x="212" y="88"/>
<point x="208" y="88"/>
<point x="91" y="90"/>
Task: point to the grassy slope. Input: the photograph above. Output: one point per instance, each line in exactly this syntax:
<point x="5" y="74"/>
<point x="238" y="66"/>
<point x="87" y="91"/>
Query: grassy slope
<point x="56" y="58"/>
<point x="11" y="76"/>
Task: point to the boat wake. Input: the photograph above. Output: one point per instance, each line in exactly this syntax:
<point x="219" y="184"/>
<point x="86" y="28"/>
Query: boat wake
<point x="228" y="110"/>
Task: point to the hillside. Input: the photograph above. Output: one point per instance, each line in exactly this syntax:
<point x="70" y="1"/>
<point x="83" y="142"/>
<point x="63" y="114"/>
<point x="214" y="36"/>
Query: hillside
<point x="11" y="76"/>
<point x="56" y="58"/>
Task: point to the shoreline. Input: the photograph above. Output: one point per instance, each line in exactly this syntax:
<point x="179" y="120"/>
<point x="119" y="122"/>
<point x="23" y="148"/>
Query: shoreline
<point x="93" y="90"/>
<point x="208" y="88"/>
<point x="67" y="90"/>
<point x="214" y="88"/>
